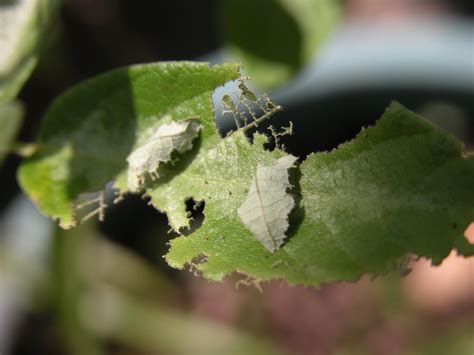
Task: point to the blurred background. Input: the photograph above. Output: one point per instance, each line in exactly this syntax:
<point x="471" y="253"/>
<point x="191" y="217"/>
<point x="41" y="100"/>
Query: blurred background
<point x="334" y="66"/>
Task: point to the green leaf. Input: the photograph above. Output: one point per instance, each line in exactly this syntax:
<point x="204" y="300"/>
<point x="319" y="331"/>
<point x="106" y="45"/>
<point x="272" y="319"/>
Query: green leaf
<point x="274" y="38"/>
<point x="24" y="25"/>
<point x="402" y="186"/>
<point x="89" y="131"/>
<point x="10" y="122"/>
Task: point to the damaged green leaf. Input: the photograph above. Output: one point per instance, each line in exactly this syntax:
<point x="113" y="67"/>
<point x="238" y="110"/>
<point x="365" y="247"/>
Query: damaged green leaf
<point x="401" y="187"/>
<point x="90" y="131"/>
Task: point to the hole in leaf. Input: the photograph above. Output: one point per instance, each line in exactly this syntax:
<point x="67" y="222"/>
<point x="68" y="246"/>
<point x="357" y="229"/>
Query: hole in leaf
<point x="246" y="109"/>
<point x="200" y="259"/>
<point x="139" y="227"/>
<point x="195" y="211"/>
<point x="297" y="213"/>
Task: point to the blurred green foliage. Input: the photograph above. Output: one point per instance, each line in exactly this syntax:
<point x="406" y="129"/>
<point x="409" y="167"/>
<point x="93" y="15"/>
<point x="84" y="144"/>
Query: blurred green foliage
<point x="11" y="115"/>
<point x="24" y="28"/>
<point x="274" y="38"/>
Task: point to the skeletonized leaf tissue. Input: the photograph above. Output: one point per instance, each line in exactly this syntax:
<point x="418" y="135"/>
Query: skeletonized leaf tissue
<point x="175" y="136"/>
<point x="265" y="210"/>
